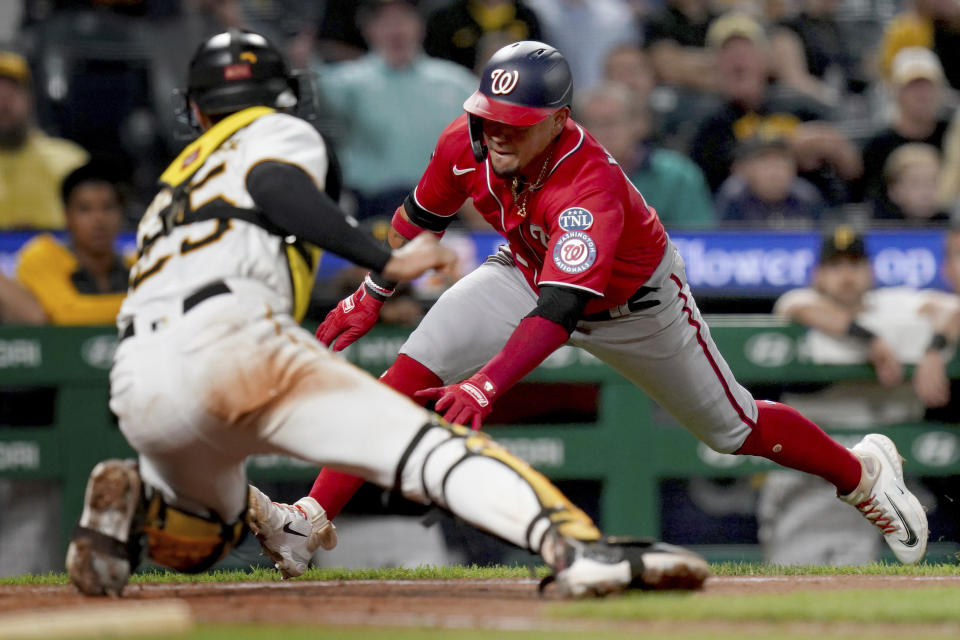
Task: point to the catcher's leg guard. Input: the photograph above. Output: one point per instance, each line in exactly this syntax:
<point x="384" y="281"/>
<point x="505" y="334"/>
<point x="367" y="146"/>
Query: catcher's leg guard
<point x="106" y="544"/>
<point x="480" y="481"/>
<point x="186" y="541"/>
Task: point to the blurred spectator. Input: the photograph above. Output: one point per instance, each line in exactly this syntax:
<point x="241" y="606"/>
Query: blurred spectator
<point x="669" y="182"/>
<point x="754" y="108"/>
<point x="812" y="56"/>
<point x="931" y="370"/>
<point x="917" y="82"/>
<point x="392" y="104"/>
<point x="568" y="24"/>
<point x="32" y="164"/>
<point x="338" y="34"/>
<point x="854" y="322"/>
<point x="765" y="188"/>
<point x="950" y="174"/>
<point x="676" y="38"/>
<point x="931" y="24"/>
<point x="17" y="304"/>
<point x="454" y="31"/>
<point x="912" y="178"/>
<point x="82" y="281"/>
<point x="630" y="65"/>
<point x="850" y="322"/>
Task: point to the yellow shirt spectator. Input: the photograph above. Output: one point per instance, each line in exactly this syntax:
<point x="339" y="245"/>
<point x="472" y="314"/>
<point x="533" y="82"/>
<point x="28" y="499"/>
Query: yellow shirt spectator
<point x="30" y="181"/>
<point x="68" y="295"/>
<point x="32" y="164"/>
<point x="83" y="281"/>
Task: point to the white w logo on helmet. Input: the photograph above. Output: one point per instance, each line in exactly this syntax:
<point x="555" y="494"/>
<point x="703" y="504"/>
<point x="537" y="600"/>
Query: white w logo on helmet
<point x="502" y="83"/>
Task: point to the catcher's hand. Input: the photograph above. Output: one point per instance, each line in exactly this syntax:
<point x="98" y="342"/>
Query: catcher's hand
<point x="353" y="316"/>
<point x="467" y="402"/>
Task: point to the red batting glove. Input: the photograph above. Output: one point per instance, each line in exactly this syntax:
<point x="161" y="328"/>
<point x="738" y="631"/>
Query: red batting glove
<point x="467" y="402"/>
<point x="354" y="316"/>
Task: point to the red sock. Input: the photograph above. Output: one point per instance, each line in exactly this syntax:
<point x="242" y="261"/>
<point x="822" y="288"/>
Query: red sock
<point x="783" y="435"/>
<point x="333" y="489"/>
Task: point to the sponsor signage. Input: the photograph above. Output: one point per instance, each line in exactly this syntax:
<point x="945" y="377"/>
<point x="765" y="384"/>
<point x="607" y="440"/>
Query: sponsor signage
<point x="19" y="455"/>
<point x="760" y="263"/>
<point x="537" y="452"/>
<point x="20" y="353"/>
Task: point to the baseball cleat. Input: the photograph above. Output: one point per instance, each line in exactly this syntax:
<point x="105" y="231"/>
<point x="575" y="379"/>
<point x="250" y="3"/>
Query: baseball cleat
<point x="103" y="549"/>
<point x="883" y="498"/>
<point x="612" y="565"/>
<point x="289" y="534"/>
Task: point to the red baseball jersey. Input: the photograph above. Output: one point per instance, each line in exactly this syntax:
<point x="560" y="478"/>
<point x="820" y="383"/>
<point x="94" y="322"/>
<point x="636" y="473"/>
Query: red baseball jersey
<point x="586" y="225"/>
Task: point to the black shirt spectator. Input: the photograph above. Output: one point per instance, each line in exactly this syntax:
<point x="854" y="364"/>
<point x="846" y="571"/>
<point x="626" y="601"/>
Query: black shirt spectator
<point x="716" y="141"/>
<point x="454" y="31"/>
<point x="672" y="24"/>
<point x="877" y="150"/>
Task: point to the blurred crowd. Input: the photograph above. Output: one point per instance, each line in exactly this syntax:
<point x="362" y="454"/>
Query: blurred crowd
<point x="761" y="114"/>
<point x="724" y="113"/>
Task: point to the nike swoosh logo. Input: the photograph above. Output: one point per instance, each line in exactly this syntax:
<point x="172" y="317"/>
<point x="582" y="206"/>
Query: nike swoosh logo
<point x="287" y="528"/>
<point x="912" y="538"/>
<point x="460" y="172"/>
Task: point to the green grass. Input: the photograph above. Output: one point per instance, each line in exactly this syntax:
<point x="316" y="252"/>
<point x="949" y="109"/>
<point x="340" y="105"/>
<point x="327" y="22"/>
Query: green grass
<point x="919" y="605"/>
<point x="475" y="573"/>
<point x="271" y="575"/>
<point x="255" y="632"/>
<point x="872" y="569"/>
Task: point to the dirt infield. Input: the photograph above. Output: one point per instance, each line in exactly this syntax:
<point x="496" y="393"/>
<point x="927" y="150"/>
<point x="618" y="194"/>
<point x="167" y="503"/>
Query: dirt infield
<point x="453" y="604"/>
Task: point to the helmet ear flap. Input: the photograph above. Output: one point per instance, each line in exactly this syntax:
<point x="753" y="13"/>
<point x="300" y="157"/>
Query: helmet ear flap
<point x="475" y="125"/>
<point x="185" y="125"/>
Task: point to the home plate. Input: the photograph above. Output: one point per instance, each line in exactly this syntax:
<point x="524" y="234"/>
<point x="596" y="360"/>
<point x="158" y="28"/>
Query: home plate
<point x="114" y="620"/>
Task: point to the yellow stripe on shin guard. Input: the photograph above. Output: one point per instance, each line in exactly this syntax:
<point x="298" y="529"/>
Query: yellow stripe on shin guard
<point x="566" y="519"/>
<point x="187" y="542"/>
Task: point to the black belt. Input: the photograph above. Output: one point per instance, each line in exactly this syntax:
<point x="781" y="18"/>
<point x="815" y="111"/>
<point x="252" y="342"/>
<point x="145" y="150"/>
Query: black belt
<point x="192" y="300"/>
<point x="635" y="303"/>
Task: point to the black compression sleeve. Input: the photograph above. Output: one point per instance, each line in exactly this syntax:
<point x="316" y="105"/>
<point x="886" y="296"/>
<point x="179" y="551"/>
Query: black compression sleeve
<point x="288" y="198"/>
<point x="563" y="305"/>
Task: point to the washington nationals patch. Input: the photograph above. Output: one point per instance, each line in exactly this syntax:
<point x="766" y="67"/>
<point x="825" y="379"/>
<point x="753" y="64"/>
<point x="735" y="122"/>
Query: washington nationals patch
<point x="575" y="252"/>
<point x="575" y="219"/>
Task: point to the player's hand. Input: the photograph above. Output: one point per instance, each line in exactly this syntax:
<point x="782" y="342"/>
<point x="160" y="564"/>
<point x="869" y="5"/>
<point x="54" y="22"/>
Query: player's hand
<point x="930" y="380"/>
<point x="884" y="360"/>
<point x="418" y="256"/>
<point x="353" y="316"/>
<point x="467" y="402"/>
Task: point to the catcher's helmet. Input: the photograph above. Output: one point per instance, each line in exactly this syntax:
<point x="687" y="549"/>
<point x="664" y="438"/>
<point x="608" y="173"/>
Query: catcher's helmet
<point x="237" y="69"/>
<point x="522" y="84"/>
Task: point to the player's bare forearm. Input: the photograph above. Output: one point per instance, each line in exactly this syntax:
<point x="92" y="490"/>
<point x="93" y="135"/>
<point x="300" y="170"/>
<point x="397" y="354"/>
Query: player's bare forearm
<point x="825" y="316"/>
<point x="394" y="239"/>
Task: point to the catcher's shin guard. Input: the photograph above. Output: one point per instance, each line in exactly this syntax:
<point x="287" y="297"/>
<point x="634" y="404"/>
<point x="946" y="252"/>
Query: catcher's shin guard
<point x="106" y="543"/>
<point x="478" y="480"/>
<point x="186" y="541"/>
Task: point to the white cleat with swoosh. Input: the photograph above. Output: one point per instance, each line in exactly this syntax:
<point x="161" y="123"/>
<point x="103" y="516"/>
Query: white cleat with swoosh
<point x="883" y="498"/>
<point x="289" y="534"/>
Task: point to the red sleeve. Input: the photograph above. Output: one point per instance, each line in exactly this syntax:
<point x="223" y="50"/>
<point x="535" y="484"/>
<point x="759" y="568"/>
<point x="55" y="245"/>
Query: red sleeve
<point x="583" y="239"/>
<point x="440" y="193"/>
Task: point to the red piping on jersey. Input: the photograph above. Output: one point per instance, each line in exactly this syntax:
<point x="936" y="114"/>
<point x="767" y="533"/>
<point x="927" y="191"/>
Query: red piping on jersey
<point x="713" y="363"/>
<point x="576" y="147"/>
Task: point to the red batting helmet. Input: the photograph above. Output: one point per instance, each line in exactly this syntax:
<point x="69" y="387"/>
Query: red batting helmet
<point x="522" y="84"/>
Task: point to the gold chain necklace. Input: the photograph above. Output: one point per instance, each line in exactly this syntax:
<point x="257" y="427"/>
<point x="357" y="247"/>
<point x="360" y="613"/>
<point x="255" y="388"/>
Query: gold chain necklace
<point x="521" y="198"/>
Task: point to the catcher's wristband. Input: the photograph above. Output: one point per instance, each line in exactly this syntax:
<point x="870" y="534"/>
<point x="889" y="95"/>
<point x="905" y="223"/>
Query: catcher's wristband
<point x="379" y="290"/>
<point x="857" y="330"/>
<point x="938" y="342"/>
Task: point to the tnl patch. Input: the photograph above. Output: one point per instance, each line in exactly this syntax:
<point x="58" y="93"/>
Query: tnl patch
<point x="575" y="252"/>
<point x="575" y="219"/>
